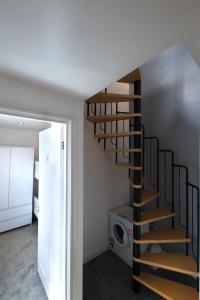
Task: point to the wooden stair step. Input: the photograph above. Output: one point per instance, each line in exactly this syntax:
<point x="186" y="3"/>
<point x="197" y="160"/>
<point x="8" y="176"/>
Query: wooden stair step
<point x="126" y="165"/>
<point x="117" y="134"/>
<point x="110" y="98"/>
<point x="123" y="150"/>
<point x="163" y="236"/>
<point x="136" y="186"/>
<point x="176" y="262"/>
<point x="146" y="197"/>
<point x="169" y="290"/>
<point x="155" y="214"/>
<point x="110" y="118"/>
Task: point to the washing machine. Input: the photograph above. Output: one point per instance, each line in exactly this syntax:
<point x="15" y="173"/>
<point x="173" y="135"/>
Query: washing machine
<point x="121" y="234"/>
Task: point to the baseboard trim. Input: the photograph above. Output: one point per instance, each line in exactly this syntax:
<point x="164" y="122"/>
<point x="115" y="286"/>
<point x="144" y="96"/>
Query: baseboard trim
<point x="91" y="255"/>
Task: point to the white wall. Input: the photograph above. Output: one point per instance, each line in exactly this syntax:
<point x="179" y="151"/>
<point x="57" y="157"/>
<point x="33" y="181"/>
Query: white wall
<point x="106" y="187"/>
<point x="18" y="137"/>
<point x="82" y="46"/>
<point x="18" y="95"/>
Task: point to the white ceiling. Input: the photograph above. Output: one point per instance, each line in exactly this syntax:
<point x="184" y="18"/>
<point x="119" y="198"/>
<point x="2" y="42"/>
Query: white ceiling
<point x="81" y="46"/>
<point x="12" y="122"/>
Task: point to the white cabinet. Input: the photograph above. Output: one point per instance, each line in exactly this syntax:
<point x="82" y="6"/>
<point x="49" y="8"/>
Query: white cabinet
<point x="21" y="177"/>
<point x="4" y="177"/>
<point x="16" y="182"/>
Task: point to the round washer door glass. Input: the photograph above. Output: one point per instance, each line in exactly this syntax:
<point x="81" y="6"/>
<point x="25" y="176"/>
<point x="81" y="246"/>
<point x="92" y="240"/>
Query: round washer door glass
<point x="120" y="234"/>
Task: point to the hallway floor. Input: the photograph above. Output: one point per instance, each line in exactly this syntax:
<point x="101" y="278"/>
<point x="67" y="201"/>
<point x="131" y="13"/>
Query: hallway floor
<point x="19" y="279"/>
<point x="108" y="278"/>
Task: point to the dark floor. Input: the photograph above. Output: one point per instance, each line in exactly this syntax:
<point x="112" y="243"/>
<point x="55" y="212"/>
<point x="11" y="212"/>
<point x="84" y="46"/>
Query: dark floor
<point x="108" y="278"/>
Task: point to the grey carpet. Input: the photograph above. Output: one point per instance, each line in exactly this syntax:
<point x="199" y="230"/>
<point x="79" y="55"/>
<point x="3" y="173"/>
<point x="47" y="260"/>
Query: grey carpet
<point x="19" y="279"/>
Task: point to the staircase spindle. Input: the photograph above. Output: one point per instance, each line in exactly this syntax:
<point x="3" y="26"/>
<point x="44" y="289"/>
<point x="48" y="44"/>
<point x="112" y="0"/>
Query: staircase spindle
<point x="136" y="159"/>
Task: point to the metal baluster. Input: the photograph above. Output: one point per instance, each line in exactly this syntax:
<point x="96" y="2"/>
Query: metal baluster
<point x="88" y="109"/>
<point x="111" y="126"/>
<point x="136" y="175"/>
<point x="150" y="162"/>
<point x="165" y="177"/>
<point x="95" y="125"/>
<point x="198" y="237"/>
<point x="143" y="149"/>
<point x="105" y="126"/>
<point x="187" y="209"/>
<point x="172" y="186"/>
<point x="179" y="195"/>
<point x="192" y="196"/>
<point x="123" y="138"/>
<point x="158" y="170"/>
<point x="116" y="140"/>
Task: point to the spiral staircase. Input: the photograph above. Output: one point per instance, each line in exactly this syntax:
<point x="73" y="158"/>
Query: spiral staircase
<point x="123" y="134"/>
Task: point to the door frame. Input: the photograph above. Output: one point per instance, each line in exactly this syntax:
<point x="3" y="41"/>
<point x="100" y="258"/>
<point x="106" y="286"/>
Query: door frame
<point x="67" y="185"/>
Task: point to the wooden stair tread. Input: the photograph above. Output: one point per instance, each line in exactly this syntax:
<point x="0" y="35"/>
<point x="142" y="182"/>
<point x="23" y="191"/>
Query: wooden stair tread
<point x="110" y="118"/>
<point x="146" y="197"/>
<point x="124" y="150"/>
<point x="155" y="214"/>
<point x="169" y="290"/>
<point x="117" y="134"/>
<point x="176" y="262"/>
<point x="126" y="165"/>
<point x="136" y="186"/>
<point x="109" y="98"/>
<point x="163" y="236"/>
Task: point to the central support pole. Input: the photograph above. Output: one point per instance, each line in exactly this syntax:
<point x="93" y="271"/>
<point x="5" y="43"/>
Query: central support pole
<point x="136" y="177"/>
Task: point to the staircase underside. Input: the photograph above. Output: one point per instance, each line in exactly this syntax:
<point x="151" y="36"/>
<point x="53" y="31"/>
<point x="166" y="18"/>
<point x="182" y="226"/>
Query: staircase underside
<point x="146" y="197"/>
<point x="131" y="77"/>
<point x="110" y="118"/>
<point x="153" y="215"/>
<point x="123" y="150"/>
<point x="169" y="290"/>
<point x="163" y="236"/>
<point x="176" y="262"/>
<point x="128" y="166"/>
<point x="109" y="98"/>
<point x="117" y="134"/>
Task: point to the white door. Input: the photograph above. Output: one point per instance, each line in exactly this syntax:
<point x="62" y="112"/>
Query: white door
<point x="4" y="176"/>
<point x="51" y="225"/>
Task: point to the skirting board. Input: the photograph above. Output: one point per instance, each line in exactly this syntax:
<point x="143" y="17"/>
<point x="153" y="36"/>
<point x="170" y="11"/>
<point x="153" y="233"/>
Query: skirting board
<point x="15" y="223"/>
<point x="91" y="255"/>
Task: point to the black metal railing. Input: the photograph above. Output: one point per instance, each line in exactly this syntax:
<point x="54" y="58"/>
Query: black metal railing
<point x="183" y="194"/>
<point x="103" y="109"/>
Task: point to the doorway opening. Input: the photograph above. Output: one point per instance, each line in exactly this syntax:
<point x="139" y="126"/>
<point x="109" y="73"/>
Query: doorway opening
<point x="35" y="207"/>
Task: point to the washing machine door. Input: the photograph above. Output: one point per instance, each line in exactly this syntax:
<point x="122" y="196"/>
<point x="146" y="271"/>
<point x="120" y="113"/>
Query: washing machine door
<point x="120" y="234"/>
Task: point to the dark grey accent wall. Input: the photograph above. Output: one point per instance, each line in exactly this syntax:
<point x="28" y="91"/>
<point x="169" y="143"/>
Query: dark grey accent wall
<point x="171" y="106"/>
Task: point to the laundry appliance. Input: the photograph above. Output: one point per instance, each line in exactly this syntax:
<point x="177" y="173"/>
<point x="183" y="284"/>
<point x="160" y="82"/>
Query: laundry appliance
<point x="121" y="233"/>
